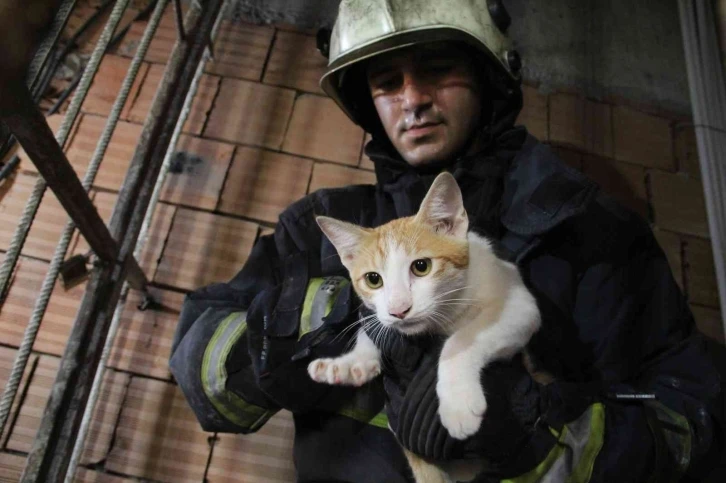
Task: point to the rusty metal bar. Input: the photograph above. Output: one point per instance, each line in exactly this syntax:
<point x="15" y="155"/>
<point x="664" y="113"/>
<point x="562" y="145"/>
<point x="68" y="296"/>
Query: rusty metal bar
<point x="30" y="128"/>
<point x="53" y="446"/>
<point x="179" y="21"/>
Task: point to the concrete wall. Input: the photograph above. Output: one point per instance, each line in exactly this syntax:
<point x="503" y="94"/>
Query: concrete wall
<point x="600" y="48"/>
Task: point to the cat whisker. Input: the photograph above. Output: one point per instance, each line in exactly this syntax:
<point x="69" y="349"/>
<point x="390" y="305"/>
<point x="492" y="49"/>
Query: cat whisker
<point x="439" y="296"/>
<point x="351" y="326"/>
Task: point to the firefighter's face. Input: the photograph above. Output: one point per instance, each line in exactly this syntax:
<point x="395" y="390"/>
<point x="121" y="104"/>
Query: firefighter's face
<point x="429" y="101"/>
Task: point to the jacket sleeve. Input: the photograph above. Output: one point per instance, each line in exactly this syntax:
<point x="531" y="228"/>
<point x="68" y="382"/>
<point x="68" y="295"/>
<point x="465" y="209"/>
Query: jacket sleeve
<point x="635" y="320"/>
<point x="246" y="344"/>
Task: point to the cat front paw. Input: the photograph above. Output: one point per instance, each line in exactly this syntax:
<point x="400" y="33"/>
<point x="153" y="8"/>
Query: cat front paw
<point x="342" y="371"/>
<point x="461" y="411"/>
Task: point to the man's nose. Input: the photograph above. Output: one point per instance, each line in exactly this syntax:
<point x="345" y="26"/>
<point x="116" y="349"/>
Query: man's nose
<point x="416" y="95"/>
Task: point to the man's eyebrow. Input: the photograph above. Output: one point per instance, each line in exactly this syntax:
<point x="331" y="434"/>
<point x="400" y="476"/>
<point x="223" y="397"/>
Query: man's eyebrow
<point x="379" y="69"/>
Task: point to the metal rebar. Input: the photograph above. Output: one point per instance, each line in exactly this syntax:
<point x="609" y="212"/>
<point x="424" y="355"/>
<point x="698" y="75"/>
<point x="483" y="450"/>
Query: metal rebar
<point x="179" y="20"/>
<point x="53" y="445"/>
<point x="31" y="208"/>
<point x="143" y="236"/>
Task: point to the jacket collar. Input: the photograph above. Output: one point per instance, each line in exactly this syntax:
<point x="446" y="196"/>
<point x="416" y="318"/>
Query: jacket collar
<point x="540" y="191"/>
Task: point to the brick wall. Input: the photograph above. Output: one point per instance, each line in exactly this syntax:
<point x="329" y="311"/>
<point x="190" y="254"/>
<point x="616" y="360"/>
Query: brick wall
<point x="647" y="160"/>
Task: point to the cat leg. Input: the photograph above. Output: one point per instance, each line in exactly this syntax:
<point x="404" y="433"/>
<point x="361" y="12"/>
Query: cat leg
<point x="355" y="368"/>
<point x="467" y="351"/>
<point x="423" y="471"/>
<point x="461" y="398"/>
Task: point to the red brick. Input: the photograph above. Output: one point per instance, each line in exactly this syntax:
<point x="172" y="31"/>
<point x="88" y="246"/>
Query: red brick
<point x="265" y="455"/>
<point x="678" y="203"/>
<point x="264" y="231"/>
<point x="581" y="123"/>
<point x="686" y="150"/>
<point x="319" y="129"/>
<point x="642" y="139"/>
<point x="365" y="161"/>
<point x="709" y="322"/>
<point x="534" y="113"/>
<point x="107" y="85"/>
<point x="204" y="248"/>
<point x="288" y="27"/>
<point x="143" y="342"/>
<point x="160" y="225"/>
<point x="701" y="275"/>
<point x="624" y="182"/>
<point x="571" y="157"/>
<point x="118" y="156"/>
<point x="11" y="467"/>
<point x="31" y="411"/>
<point x="295" y="62"/>
<point x="18" y="307"/>
<point x="104" y="417"/>
<point x="261" y="184"/>
<point x="7" y="360"/>
<point x="89" y="476"/>
<point x="332" y="176"/>
<point x="47" y="225"/>
<point x="201" y="105"/>
<point x="197" y="174"/>
<point x="250" y="113"/>
<point x="161" y="44"/>
<point x="672" y="247"/>
<point x="81" y="13"/>
<point x="158" y="437"/>
<point x="240" y="50"/>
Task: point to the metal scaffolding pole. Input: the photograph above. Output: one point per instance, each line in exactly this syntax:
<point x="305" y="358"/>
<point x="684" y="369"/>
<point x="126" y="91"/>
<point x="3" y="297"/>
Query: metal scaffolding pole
<point x="53" y="446"/>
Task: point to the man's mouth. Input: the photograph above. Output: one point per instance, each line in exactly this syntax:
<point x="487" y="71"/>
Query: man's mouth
<point x="422" y="129"/>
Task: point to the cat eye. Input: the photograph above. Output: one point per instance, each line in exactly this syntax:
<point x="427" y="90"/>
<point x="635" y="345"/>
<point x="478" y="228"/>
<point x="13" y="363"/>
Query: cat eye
<point x="421" y="267"/>
<point x="373" y="280"/>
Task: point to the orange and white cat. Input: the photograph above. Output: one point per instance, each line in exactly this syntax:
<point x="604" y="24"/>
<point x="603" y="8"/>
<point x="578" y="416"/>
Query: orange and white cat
<point x="428" y="273"/>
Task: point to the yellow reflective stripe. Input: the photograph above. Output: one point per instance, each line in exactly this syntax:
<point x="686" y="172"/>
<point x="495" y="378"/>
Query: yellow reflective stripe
<point x="380" y="420"/>
<point x="583" y="469"/>
<point x="313" y="287"/>
<point x="537" y="473"/>
<point x="677" y="435"/>
<point x="214" y="377"/>
<point x="554" y="469"/>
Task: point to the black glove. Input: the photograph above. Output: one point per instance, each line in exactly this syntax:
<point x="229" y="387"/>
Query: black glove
<point x="514" y="434"/>
<point x="280" y="358"/>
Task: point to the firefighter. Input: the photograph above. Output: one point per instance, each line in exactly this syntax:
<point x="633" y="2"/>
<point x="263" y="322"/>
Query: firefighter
<point x="635" y="395"/>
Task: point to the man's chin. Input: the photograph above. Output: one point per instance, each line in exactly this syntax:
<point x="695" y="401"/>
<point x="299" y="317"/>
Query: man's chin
<point x="426" y="157"/>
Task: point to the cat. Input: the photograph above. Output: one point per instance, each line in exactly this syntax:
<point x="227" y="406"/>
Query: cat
<point x="429" y="274"/>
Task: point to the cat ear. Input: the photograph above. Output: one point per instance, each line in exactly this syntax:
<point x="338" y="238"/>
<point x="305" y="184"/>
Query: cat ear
<point x="443" y="207"/>
<point x="346" y="237"/>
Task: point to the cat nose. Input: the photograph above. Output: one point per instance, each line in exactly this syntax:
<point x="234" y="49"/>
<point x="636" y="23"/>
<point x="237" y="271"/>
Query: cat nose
<point x="401" y="314"/>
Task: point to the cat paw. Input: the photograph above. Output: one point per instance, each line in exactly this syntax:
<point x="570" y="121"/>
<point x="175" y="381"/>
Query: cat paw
<point x="363" y="372"/>
<point x="340" y="371"/>
<point x="461" y="412"/>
